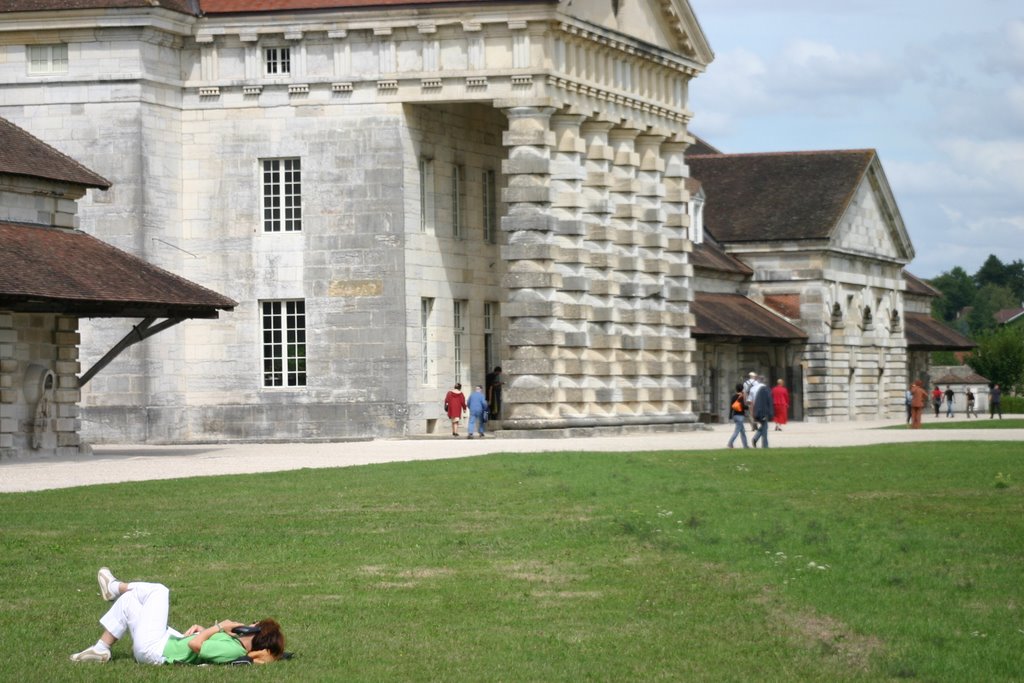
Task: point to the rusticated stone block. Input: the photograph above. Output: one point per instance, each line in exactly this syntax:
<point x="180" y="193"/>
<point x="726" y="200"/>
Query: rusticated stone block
<point x="513" y="195"/>
<point x="539" y="137"/>
<point x="531" y="252"/>
<point x="536" y="165"/>
<point x="532" y="280"/>
<point x="576" y="283"/>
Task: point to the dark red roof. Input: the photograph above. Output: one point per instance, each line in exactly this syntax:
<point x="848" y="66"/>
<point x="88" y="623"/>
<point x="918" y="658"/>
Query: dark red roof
<point x="709" y="256"/>
<point x="736" y="316"/>
<point x="925" y="333"/>
<point x="1008" y="314"/>
<point x="916" y="285"/>
<point x="23" y="154"/>
<point x="778" y="195"/>
<point x="702" y="146"/>
<point x="53" y="270"/>
<point x="183" y="6"/>
<point x="245" y="6"/>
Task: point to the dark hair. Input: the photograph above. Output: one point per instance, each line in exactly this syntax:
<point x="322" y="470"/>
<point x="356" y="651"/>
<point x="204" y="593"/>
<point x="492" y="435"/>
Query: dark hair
<point x="269" y="638"/>
<point x="739" y="388"/>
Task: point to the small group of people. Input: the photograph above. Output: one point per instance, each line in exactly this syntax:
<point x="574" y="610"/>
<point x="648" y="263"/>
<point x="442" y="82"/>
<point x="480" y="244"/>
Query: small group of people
<point x="753" y="400"/>
<point x="481" y="408"/>
<point x="917" y="398"/>
<point x="141" y="609"/>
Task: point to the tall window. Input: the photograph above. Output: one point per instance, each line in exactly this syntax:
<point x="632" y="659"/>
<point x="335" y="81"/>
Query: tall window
<point x="458" y="173"/>
<point x="490" y="206"/>
<point x="47" y="59"/>
<point x="282" y="195"/>
<point x="426" y="358"/>
<point x="461" y="310"/>
<point x="490" y="335"/>
<point x="284" y="343"/>
<point x="426" y="195"/>
<point x="277" y="61"/>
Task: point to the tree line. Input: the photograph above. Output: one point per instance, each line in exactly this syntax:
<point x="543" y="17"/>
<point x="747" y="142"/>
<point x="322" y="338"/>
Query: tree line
<point x="969" y="304"/>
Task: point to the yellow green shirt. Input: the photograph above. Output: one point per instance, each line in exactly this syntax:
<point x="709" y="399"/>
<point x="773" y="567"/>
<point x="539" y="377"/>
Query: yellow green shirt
<point x="220" y="648"/>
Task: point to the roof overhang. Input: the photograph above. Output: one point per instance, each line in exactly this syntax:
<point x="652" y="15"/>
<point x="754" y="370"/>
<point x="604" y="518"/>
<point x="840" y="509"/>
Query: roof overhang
<point x="734" y="317"/>
<point x="925" y="333"/>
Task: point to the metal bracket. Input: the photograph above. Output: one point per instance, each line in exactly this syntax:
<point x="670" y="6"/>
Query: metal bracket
<point x="144" y="330"/>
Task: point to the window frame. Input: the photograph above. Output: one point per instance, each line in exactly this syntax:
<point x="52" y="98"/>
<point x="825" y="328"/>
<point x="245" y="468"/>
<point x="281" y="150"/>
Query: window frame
<point x="426" y="355"/>
<point x="288" y="174"/>
<point x="490" y="205"/>
<point x="460" y="316"/>
<point x="280" y="60"/>
<point x="284" y="348"/>
<point x="50" y="60"/>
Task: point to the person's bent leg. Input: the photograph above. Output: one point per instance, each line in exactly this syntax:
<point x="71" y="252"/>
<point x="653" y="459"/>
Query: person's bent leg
<point x="142" y="610"/>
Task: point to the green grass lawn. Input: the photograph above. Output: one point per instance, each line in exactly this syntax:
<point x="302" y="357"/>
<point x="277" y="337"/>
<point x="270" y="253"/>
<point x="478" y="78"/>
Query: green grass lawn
<point x="932" y="422"/>
<point x="898" y="561"/>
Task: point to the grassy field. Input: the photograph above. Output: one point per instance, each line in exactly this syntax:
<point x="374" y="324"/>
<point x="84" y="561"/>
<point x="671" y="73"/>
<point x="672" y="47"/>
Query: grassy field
<point x="932" y="422"/>
<point x="888" y="562"/>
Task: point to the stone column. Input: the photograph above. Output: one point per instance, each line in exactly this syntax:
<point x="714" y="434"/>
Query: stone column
<point x="677" y="292"/>
<point x="67" y="423"/>
<point x="8" y="390"/>
<point x="534" y="334"/>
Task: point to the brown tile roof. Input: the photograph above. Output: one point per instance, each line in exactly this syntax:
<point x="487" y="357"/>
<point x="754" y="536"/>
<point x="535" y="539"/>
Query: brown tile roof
<point x="916" y="285"/>
<point x="709" y="256"/>
<point x="1007" y="315"/>
<point x="245" y="6"/>
<point x="736" y="316"/>
<point x="702" y="146"/>
<point x="969" y="378"/>
<point x="925" y="333"/>
<point x="53" y="270"/>
<point x="779" y="195"/>
<point x="23" y="154"/>
<point x="183" y="6"/>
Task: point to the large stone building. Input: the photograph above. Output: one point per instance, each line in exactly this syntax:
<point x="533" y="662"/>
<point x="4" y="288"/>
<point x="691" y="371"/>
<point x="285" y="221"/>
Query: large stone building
<point x="401" y="195"/>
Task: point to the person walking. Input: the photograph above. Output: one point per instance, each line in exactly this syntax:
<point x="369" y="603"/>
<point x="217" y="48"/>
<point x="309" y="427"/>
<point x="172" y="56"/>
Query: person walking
<point x="917" y="403"/>
<point x="455" y="406"/>
<point x="748" y="400"/>
<point x="764" y="412"/>
<point x="477" y="411"/>
<point x="970" y="404"/>
<point x="949" y="400"/>
<point x="780" y="401"/>
<point x="737" y="413"/>
<point x="907" y="398"/>
<point x="493" y="385"/>
<point x="995" y="404"/>
<point x="936" y="399"/>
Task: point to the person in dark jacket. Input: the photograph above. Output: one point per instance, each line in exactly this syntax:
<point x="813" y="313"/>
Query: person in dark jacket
<point x="764" y="412"/>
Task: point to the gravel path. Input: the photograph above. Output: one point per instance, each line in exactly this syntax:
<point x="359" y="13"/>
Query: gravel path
<point x="110" y="464"/>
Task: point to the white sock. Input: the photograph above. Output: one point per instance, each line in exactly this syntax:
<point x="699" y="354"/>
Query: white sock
<point x="116" y="588"/>
<point x="101" y="646"/>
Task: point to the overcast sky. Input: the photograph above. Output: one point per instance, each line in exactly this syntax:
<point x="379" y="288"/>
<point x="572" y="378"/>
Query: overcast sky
<point x="936" y="86"/>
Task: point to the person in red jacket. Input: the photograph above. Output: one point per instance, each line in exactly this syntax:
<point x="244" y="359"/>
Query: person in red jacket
<point x="936" y="399"/>
<point x="455" y="406"/>
<point x="780" y="399"/>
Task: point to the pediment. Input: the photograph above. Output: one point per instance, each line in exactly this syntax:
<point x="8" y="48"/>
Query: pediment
<point x="668" y="24"/>
<point x="871" y="223"/>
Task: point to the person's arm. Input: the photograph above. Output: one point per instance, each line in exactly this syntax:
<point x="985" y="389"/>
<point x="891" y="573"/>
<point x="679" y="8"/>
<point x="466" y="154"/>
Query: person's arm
<point x="202" y="636"/>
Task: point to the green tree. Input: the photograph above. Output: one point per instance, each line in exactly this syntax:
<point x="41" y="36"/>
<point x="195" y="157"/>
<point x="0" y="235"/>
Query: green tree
<point x="958" y="291"/>
<point x="1000" y="356"/>
<point x="990" y="298"/>
<point x="992" y="272"/>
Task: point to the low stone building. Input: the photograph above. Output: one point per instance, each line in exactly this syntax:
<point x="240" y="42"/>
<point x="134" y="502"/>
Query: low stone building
<point x="51" y="275"/>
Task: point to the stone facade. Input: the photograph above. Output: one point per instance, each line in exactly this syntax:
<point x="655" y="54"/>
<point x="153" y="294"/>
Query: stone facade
<point x="567" y="133"/>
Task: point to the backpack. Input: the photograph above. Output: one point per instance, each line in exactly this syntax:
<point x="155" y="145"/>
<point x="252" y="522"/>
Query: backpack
<point x="737" y="407"/>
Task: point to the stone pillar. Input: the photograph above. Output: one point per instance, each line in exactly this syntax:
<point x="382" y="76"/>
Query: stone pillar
<point x="534" y="333"/>
<point x="8" y="389"/>
<point x="66" y="422"/>
<point x="677" y="291"/>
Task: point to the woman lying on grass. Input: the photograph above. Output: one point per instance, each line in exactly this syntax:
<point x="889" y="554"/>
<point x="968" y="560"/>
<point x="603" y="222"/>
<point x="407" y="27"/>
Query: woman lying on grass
<point x="142" y="609"/>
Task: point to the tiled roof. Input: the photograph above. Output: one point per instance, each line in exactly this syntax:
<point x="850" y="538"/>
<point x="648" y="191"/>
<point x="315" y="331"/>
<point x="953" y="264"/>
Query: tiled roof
<point x="925" y="333"/>
<point x="1008" y="314"/>
<point x="969" y="378"/>
<point x="702" y="146"/>
<point x="916" y="285"/>
<point x="709" y="256"/>
<point x="23" y="154"/>
<point x="777" y="196"/>
<point x="183" y="6"/>
<point x="53" y="270"/>
<point x="245" y="6"/>
<point x="736" y="316"/>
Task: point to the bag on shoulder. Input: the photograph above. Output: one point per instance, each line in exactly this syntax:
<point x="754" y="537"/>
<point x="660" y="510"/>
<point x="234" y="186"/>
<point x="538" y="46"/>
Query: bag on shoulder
<point x="446" y="405"/>
<point x="737" y="407"/>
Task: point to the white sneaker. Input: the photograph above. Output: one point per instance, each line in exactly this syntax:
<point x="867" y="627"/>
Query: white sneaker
<point x="93" y="654"/>
<point x="105" y="578"/>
